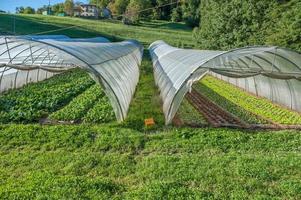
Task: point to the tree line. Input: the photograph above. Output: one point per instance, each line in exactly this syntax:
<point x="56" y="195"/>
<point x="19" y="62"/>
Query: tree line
<point x="174" y="10"/>
<point x="133" y="10"/>
<point x="219" y="24"/>
<point x="227" y="24"/>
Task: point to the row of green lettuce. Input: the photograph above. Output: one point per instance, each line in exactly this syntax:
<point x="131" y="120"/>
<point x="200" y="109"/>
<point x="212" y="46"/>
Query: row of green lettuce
<point x="72" y="95"/>
<point x="90" y="106"/>
<point x="249" y="108"/>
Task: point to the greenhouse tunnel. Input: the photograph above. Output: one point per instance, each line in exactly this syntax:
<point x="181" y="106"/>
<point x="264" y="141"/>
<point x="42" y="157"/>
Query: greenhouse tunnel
<point x="266" y="71"/>
<point x="115" y="66"/>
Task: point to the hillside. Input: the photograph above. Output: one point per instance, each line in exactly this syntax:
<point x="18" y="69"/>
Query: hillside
<point x="102" y="160"/>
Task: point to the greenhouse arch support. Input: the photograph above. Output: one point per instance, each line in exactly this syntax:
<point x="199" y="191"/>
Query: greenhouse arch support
<point x="115" y="66"/>
<point x="267" y="71"/>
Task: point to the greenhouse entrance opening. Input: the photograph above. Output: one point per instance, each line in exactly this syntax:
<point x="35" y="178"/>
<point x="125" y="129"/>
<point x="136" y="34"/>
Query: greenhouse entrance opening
<point x="34" y="58"/>
<point x="251" y="87"/>
<point x="213" y="102"/>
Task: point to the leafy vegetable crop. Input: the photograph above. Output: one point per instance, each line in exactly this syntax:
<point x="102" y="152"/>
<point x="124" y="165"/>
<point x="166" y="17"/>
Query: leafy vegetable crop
<point x="77" y="108"/>
<point x="103" y="162"/>
<point x="217" y="98"/>
<point x="33" y="101"/>
<point x="102" y="112"/>
<point x="229" y="95"/>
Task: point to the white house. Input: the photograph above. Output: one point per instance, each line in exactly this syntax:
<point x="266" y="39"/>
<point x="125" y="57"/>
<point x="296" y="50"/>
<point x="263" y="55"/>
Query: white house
<point x="86" y="10"/>
<point x="91" y="11"/>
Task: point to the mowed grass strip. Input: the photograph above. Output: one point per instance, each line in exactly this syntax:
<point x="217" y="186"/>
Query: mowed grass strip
<point x="85" y="162"/>
<point x="250" y="103"/>
<point x="146" y="102"/>
<point x="80" y="105"/>
<point x="36" y="100"/>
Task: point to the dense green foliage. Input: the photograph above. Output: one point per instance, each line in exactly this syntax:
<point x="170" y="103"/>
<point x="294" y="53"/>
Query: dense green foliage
<point x="101" y="112"/>
<point x="78" y="107"/>
<point x="58" y="8"/>
<point x="69" y="7"/>
<point x="34" y="101"/>
<point x="235" y="23"/>
<point x="98" y="162"/>
<point x="26" y="10"/>
<point x="191" y="12"/>
<point x="131" y="11"/>
<point x="242" y="104"/>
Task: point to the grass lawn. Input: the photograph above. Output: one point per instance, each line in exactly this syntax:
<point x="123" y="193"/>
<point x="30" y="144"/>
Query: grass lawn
<point x="126" y="161"/>
<point x="102" y="162"/>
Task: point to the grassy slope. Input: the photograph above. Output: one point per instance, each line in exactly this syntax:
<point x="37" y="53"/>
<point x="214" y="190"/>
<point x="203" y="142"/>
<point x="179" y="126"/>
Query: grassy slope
<point x="146" y="34"/>
<point x="117" y="162"/>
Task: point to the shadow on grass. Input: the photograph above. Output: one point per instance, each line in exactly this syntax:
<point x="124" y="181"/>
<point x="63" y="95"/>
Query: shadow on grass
<point x="166" y="25"/>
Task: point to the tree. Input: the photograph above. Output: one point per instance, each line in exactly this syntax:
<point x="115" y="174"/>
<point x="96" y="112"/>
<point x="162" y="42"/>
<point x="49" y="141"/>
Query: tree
<point x="68" y="7"/>
<point x="42" y="9"/>
<point x="137" y="9"/>
<point x="20" y="10"/>
<point x="58" y="8"/>
<point x="29" y="10"/>
<point x="118" y="7"/>
<point x="191" y="12"/>
<point x="234" y="23"/>
<point x="100" y="3"/>
<point x="176" y="15"/>
<point x="164" y="9"/>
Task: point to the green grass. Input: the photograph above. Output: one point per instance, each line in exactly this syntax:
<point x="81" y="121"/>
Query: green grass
<point x="146" y="102"/>
<point x="189" y="115"/>
<point x="104" y="162"/>
<point x="126" y="161"/>
<point x="114" y="30"/>
<point x="243" y="104"/>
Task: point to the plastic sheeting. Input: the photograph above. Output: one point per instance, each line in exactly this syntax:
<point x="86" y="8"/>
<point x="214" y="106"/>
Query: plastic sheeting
<point x="271" y="72"/>
<point x="25" y="59"/>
